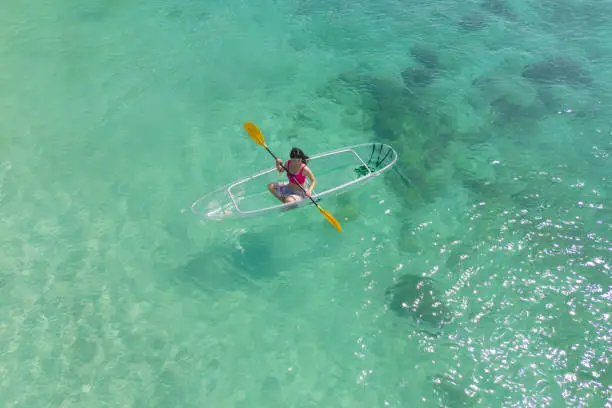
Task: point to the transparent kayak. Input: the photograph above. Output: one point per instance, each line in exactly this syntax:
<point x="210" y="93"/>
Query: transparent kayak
<point x="336" y="171"/>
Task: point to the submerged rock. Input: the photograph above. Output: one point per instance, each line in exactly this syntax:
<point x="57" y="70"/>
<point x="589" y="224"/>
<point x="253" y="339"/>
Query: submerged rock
<point x="417" y="76"/>
<point x="474" y="164"/>
<point x="434" y="150"/>
<point x="512" y="99"/>
<point x="498" y="7"/>
<point x="558" y="69"/>
<point x="221" y="267"/>
<point x="384" y="127"/>
<point x="425" y="55"/>
<point x="473" y="21"/>
<point x="508" y="112"/>
<point x="415" y="297"/>
<point x="349" y="211"/>
<point x="449" y="392"/>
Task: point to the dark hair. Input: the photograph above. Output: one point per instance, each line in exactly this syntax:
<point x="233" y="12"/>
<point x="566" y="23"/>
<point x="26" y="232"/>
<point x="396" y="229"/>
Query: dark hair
<point x="297" y="153"/>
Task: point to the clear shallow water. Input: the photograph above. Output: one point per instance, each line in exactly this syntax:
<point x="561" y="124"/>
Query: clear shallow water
<point x="116" y="116"/>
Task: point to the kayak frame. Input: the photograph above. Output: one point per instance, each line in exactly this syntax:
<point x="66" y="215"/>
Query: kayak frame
<point x="220" y="212"/>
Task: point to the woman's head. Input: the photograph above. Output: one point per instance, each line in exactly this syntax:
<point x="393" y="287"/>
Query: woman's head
<point x="297" y="153"/>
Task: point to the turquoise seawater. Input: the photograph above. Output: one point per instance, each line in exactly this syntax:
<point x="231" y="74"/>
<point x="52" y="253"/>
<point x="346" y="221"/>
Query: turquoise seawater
<point x="116" y="115"/>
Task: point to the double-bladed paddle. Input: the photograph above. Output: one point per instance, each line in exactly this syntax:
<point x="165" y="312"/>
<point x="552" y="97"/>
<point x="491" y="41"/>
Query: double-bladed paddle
<point x="255" y="134"/>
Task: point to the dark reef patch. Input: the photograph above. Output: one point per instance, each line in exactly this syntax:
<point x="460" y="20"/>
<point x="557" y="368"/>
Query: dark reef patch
<point x="416" y="77"/>
<point x="498" y="7"/>
<point x="425" y="55"/>
<point x="557" y="69"/>
<point x="473" y="21"/>
<point x="416" y="298"/>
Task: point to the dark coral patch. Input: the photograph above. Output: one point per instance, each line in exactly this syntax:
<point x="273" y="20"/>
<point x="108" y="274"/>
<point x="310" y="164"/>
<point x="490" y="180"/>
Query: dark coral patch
<point x="425" y="55"/>
<point x="417" y="76"/>
<point x="557" y="69"/>
<point x="473" y="22"/>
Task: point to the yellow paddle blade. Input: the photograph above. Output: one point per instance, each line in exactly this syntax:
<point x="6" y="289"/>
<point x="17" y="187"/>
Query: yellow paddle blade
<point x="331" y="219"/>
<point x="255" y="133"/>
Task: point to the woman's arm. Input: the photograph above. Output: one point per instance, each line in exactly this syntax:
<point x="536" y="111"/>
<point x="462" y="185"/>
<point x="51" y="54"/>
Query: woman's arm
<point x="312" y="178"/>
<point x="278" y="166"/>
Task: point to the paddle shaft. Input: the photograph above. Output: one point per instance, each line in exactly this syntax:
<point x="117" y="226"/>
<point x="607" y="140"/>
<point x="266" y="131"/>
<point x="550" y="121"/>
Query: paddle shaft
<point x="289" y="173"/>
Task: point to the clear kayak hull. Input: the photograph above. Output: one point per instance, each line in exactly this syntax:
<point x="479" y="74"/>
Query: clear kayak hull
<point x="336" y="171"/>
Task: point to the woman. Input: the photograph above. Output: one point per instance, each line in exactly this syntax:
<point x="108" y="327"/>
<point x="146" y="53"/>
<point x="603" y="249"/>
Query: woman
<point x="289" y="191"/>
